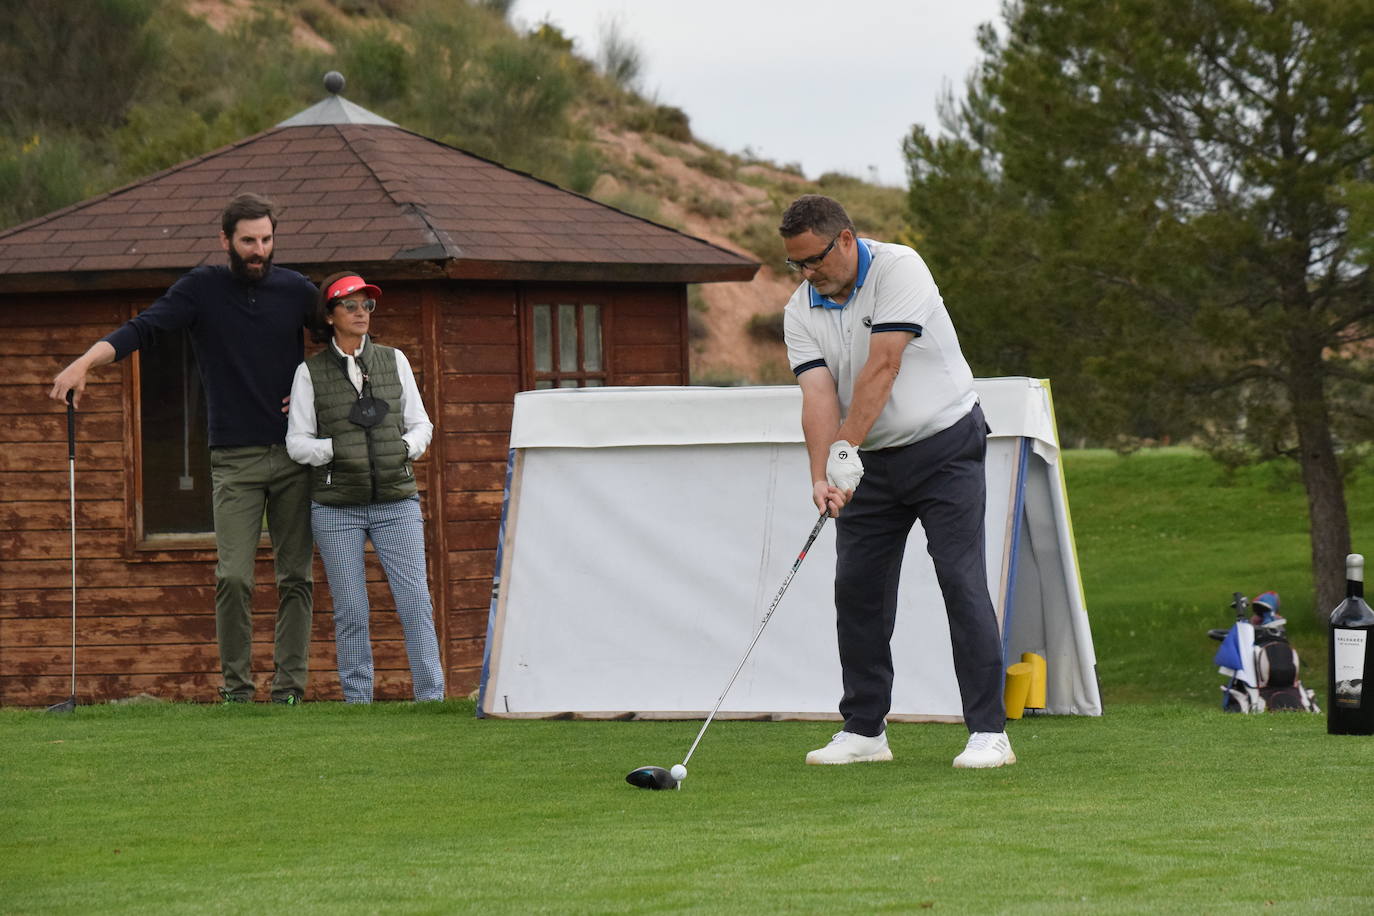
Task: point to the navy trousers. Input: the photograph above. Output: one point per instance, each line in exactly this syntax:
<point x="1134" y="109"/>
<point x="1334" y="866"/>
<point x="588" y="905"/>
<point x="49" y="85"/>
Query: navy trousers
<point x="940" y="482"/>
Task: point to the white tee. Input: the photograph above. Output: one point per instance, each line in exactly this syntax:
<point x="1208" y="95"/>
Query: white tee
<point x="894" y="292"/>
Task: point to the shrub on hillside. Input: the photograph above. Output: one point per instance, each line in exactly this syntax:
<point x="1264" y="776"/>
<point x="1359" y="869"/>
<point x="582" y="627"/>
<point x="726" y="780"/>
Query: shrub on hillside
<point x="672" y="123"/>
<point x="697" y="327"/>
<point x="620" y="59"/>
<point x="379" y="68"/>
<point x="549" y="34"/>
<point x="760" y="238"/>
<point x="715" y="165"/>
<point x="76" y="66"/>
<point x="582" y="168"/>
<point x="709" y="207"/>
<point x="44" y="172"/>
<point x="766" y="326"/>
<point x="664" y="120"/>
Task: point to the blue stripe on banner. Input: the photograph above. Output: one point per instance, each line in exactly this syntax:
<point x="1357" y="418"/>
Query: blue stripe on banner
<point x="812" y="364"/>
<point x="495" y="585"/>
<point x="899" y="326"/>
<point x="1018" y="512"/>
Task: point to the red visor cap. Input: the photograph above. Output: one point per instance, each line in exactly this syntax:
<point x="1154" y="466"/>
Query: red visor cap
<point x="351" y="284"/>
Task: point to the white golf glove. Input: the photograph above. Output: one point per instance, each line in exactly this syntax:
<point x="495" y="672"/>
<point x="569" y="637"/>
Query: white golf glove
<point x="843" y="468"/>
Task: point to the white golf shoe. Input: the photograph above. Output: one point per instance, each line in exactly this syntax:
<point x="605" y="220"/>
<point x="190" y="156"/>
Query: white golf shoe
<point x="986" y="749"/>
<point x="847" y="747"/>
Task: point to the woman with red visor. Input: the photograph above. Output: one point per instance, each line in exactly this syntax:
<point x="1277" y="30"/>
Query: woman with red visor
<point x="357" y="420"/>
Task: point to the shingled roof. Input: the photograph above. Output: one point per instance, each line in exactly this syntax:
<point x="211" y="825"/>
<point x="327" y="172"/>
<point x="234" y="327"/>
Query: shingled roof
<point x="372" y="195"/>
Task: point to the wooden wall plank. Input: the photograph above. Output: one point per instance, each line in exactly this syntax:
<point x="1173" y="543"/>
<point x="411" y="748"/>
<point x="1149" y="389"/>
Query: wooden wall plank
<point x="56" y="601"/>
<point x="27" y="515"/>
<point x="470" y="594"/>
<point x="29" y="457"/>
<point x="481" y="358"/>
<point x="475" y="329"/>
<point x="49" y="486"/>
<point x="472" y="504"/>
<point x="467" y="417"/>
<point x="477" y="388"/>
<point x="45" y="545"/>
<point x="51" y="426"/>
<point x="646" y="358"/>
<point x="472" y="564"/>
<point x="493" y="446"/>
<point x="646" y="329"/>
<point x="32" y="397"/>
<point x="475" y="475"/>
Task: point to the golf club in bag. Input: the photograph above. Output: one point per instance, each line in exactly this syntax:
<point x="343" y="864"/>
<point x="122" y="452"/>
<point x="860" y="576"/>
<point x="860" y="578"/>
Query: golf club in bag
<point x="1262" y="666"/>
<point x="69" y="704"/>
<point x="658" y="777"/>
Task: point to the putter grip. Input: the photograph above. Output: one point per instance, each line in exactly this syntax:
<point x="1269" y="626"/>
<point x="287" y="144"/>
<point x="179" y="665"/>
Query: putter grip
<point x="71" y="427"/>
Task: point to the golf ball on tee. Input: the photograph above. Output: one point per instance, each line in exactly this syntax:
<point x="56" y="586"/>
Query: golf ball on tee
<point x="678" y="772"/>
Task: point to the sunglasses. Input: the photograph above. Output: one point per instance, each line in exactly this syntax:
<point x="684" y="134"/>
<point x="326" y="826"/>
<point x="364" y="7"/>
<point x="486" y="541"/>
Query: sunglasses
<point x="366" y="305"/>
<point x="815" y="260"/>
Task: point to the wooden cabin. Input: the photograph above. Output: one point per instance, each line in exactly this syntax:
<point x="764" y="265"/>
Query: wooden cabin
<point x="494" y="282"/>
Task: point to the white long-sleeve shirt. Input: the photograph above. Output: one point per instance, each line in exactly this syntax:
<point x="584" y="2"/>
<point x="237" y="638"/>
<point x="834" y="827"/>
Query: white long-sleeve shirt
<point x="302" y="425"/>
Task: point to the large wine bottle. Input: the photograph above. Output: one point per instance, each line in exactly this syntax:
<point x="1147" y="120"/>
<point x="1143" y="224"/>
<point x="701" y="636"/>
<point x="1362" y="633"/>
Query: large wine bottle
<point x="1350" y="658"/>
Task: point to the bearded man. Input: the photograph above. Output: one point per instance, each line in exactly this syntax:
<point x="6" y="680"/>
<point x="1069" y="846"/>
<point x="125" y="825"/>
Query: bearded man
<point x="245" y="322"/>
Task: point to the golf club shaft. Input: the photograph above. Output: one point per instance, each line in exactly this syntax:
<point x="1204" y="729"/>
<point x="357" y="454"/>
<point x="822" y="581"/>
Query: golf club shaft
<point x="820" y="522"/>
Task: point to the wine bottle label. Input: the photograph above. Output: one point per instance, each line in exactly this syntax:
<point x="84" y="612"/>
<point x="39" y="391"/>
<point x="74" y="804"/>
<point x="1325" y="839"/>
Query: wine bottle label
<point x="1349" y="671"/>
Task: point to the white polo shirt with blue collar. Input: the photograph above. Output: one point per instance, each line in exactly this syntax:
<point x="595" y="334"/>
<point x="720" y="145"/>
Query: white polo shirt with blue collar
<point x="894" y="291"/>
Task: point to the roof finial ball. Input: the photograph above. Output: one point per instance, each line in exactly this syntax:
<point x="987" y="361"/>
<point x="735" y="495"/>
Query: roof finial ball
<point x="334" y="82"/>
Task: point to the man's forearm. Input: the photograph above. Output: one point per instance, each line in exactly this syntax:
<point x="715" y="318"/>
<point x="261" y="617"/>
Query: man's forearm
<point x="873" y="386"/>
<point x="871" y="391"/>
<point x="99" y="354"/>
<point x="73" y="378"/>
<point x="820" y="421"/>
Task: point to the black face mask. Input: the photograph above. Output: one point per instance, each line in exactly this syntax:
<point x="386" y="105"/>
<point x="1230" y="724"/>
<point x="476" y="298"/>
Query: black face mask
<point x="367" y="411"/>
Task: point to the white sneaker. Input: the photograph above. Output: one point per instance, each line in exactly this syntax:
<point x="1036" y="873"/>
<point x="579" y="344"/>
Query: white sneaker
<point x="847" y="747"/>
<point x="986" y="749"/>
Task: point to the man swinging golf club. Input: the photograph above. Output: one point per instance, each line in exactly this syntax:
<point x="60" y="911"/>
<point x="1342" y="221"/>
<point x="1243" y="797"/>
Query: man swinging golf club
<point x="895" y="435"/>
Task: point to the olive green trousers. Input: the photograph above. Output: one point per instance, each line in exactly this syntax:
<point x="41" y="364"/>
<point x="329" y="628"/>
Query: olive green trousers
<point x="250" y="483"/>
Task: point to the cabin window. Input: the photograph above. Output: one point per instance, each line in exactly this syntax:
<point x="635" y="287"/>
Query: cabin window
<point x="567" y="345"/>
<point x="176" y="459"/>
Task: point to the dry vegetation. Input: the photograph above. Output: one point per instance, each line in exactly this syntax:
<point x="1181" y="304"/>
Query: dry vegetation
<point x="647" y="163"/>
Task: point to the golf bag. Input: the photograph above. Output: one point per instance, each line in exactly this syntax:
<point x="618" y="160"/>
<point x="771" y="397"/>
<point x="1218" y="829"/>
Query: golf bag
<point x="1259" y="661"/>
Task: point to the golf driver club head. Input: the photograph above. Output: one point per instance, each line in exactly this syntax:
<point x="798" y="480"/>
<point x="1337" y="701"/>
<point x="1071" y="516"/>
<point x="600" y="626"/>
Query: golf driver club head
<point x="651" y="778"/>
<point x="67" y="705"/>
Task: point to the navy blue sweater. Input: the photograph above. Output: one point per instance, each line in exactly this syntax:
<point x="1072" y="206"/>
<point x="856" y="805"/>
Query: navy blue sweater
<point x="247" y="340"/>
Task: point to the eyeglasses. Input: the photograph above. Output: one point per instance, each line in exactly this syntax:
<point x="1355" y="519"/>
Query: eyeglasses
<point x="366" y="305"/>
<point x="815" y="260"/>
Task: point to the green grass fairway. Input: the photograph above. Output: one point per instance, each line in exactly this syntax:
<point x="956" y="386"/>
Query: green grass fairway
<point x="1155" y="808"/>
<point x="1163" y="805"/>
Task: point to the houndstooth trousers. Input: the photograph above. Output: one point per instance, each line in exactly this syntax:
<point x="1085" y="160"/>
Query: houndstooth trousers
<point x="397" y="533"/>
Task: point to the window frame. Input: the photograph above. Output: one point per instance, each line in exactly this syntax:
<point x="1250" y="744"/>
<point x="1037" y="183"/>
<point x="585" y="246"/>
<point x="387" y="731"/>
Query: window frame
<point x="554" y="298"/>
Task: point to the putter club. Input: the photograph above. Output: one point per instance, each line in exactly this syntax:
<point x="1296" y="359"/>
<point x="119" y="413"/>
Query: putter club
<point x="659" y="778"/>
<point x="69" y="704"/>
